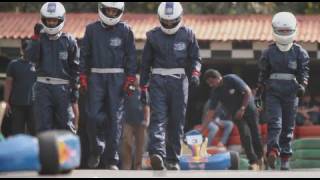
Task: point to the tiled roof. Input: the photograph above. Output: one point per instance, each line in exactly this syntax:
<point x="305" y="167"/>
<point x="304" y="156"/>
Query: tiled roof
<point x="206" y="27"/>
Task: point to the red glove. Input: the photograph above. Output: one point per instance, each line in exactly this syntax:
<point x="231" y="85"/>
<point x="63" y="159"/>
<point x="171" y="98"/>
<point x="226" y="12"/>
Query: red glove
<point x="128" y="86"/>
<point x="35" y="37"/>
<point x="83" y="81"/>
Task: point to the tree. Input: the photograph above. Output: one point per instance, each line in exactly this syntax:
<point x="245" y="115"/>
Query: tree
<point x="232" y="8"/>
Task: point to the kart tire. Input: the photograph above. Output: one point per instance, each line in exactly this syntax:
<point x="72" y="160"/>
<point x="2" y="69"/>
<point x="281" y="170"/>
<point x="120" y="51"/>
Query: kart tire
<point x="49" y="157"/>
<point x="66" y="171"/>
<point x="234" y="161"/>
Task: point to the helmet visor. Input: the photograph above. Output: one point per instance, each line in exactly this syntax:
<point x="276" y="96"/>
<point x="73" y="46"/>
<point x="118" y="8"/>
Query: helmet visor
<point x="170" y="24"/>
<point x="110" y="12"/>
<point x="51" y="22"/>
<point x="284" y="31"/>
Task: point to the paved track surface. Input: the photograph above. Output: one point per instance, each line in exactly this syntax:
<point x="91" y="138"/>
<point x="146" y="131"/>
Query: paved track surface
<point x="313" y="173"/>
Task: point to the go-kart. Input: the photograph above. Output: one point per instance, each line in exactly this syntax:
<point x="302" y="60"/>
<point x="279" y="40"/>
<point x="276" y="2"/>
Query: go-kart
<point x="52" y="152"/>
<point x="201" y="160"/>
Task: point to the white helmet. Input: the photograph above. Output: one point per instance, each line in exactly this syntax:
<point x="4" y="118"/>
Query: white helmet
<point x="170" y="16"/>
<point x="110" y="21"/>
<point x="53" y="10"/>
<point x="284" y="26"/>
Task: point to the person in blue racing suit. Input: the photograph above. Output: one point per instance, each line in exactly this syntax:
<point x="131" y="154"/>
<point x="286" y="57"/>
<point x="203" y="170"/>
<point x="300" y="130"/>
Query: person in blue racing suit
<point x="109" y="66"/>
<point x="56" y="58"/>
<point x="284" y="74"/>
<point x="168" y="51"/>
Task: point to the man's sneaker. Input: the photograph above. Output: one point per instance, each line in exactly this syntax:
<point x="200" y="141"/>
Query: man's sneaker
<point x="261" y="164"/>
<point x="284" y="164"/>
<point x="93" y="161"/>
<point x="156" y="162"/>
<point x="254" y="167"/>
<point x="172" y="166"/>
<point x="272" y="157"/>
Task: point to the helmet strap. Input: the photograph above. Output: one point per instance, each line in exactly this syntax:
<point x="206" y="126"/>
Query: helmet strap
<point x="54" y="37"/>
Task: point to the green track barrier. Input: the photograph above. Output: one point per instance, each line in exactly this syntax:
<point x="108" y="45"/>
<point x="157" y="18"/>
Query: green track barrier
<point x="1" y="137"/>
<point x="244" y="164"/>
<point x="308" y="143"/>
<point x="304" y="164"/>
<point x="311" y="154"/>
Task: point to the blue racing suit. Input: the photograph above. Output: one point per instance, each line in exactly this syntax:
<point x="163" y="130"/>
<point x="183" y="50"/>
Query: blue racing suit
<point x="164" y="63"/>
<point x="108" y="56"/>
<point x="282" y="74"/>
<point x="57" y="67"/>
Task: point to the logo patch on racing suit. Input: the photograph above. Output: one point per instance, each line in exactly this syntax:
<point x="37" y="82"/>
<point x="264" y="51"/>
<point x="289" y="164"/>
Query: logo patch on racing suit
<point x="180" y="46"/>
<point x="115" y="42"/>
<point x="63" y="55"/>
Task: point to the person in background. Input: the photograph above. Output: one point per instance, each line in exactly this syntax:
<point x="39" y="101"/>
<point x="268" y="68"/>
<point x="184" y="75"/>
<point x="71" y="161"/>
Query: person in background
<point x="236" y="98"/>
<point x="21" y="77"/>
<point x="307" y="113"/>
<point x="220" y="121"/>
<point x="315" y="110"/>
<point x="137" y="119"/>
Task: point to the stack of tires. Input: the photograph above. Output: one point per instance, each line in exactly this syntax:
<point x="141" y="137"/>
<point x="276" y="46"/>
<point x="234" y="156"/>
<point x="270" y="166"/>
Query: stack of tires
<point x="306" y="153"/>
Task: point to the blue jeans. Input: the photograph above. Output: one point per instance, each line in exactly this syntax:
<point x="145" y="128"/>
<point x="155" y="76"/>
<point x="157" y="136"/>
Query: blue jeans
<point x="213" y="129"/>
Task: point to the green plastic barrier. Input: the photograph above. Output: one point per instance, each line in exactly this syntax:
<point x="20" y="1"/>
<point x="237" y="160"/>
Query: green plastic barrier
<point x="304" y="164"/>
<point x="307" y="143"/>
<point x="312" y="154"/>
<point x="244" y="164"/>
<point x="1" y="137"/>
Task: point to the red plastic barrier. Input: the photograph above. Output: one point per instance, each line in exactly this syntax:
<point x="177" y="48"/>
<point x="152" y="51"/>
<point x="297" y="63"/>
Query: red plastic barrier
<point x="307" y="131"/>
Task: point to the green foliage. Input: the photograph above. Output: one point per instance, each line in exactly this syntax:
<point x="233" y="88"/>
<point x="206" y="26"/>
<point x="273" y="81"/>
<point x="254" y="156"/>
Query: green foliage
<point x="232" y="8"/>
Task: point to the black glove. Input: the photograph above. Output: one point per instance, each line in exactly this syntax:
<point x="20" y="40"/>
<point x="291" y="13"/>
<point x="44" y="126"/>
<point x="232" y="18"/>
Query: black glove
<point x="38" y="28"/>
<point x="195" y="78"/>
<point x="195" y="81"/>
<point x="144" y="98"/>
<point x="301" y="91"/>
<point x="74" y="95"/>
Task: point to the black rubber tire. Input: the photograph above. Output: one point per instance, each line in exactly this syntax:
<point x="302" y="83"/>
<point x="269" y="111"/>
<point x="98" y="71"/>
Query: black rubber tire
<point x="48" y="152"/>
<point x="235" y="160"/>
<point x="66" y="171"/>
